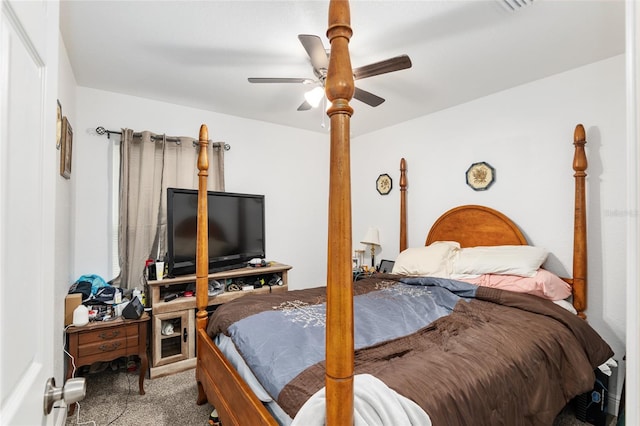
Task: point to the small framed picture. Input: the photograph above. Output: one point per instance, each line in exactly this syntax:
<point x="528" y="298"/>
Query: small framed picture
<point x="386" y="266"/>
<point x="356" y="263"/>
<point x="480" y="176"/>
<point x="66" y="148"/>
<point x="384" y="184"/>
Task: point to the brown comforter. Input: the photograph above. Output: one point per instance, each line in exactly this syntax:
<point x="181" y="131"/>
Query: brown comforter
<point x="502" y="359"/>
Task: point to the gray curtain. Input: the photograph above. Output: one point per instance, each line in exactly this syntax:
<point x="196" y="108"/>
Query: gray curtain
<point x="149" y="164"/>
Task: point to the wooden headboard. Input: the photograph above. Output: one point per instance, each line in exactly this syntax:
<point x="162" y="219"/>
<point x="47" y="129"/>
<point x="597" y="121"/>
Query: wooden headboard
<point x="475" y="226"/>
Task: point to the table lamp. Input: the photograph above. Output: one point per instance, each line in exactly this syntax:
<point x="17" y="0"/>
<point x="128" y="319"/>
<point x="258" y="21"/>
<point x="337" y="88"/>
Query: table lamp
<point x="372" y="238"/>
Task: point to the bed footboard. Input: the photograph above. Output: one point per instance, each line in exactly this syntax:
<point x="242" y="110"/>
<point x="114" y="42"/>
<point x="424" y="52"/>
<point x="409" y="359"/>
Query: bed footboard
<point x="224" y="388"/>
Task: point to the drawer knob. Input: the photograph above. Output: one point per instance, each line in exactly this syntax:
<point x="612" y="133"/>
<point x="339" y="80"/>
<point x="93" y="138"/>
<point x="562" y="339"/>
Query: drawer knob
<point x="109" y="347"/>
<point x="109" y="335"/>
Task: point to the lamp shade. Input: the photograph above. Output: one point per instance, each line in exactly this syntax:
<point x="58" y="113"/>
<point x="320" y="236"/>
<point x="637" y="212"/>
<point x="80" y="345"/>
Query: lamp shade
<point x="372" y="237"/>
<point x="314" y="96"/>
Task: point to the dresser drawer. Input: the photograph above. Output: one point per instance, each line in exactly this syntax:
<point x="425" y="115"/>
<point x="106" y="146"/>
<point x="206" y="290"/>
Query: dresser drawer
<point x="112" y="349"/>
<point x="107" y="347"/>
<point x="109" y="334"/>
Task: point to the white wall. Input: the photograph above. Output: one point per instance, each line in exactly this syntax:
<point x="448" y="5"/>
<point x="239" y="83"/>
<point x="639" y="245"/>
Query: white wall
<point x="288" y="166"/>
<point x="526" y="134"/>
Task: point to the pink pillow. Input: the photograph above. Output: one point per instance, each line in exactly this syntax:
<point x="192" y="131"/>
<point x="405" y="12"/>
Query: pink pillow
<point x="543" y="284"/>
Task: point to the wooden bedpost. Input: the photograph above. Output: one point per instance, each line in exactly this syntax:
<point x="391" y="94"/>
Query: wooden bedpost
<point x="580" y="223"/>
<point x="403" y="204"/>
<point x="339" y="89"/>
<point x="202" y="238"/>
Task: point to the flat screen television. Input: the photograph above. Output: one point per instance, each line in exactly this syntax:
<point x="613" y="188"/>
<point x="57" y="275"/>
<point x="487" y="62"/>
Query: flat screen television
<point x="236" y="230"/>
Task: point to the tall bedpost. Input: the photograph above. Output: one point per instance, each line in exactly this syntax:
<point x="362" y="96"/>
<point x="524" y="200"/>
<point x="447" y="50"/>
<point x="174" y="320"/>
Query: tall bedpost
<point x="202" y="238"/>
<point x="339" y="89"/>
<point x="403" y="204"/>
<point x="580" y="223"/>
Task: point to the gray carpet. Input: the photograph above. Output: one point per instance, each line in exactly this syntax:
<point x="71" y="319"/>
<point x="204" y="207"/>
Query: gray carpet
<point x="113" y="399"/>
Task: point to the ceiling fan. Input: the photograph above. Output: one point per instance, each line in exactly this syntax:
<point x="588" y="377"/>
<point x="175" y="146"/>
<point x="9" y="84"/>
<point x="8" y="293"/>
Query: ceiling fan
<point x="320" y="63"/>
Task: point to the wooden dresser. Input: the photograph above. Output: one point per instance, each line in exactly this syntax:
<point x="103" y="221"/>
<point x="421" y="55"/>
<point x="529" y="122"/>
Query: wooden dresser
<point x="107" y="341"/>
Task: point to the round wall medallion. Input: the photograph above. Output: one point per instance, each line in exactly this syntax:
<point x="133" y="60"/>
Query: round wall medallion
<point x="480" y="176"/>
<point x="384" y="184"/>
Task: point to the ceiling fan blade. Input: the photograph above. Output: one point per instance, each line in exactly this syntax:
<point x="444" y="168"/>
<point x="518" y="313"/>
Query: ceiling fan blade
<point x="389" y="65"/>
<point x="279" y="80"/>
<point x="367" y="97"/>
<point x="304" y="106"/>
<point x="316" y="51"/>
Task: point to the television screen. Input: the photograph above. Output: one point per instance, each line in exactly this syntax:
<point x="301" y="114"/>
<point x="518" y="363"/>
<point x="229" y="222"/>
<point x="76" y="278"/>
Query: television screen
<point x="236" y="229"/>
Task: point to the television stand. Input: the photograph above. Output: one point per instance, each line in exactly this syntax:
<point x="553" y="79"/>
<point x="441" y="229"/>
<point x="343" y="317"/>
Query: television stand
<point x="173" y="349"/>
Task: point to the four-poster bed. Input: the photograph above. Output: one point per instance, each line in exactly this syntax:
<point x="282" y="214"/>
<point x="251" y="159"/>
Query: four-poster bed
<point x="237" y="403"/>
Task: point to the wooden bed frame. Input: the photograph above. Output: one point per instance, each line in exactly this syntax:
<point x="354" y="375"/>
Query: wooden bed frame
<point x="220" y="384"/>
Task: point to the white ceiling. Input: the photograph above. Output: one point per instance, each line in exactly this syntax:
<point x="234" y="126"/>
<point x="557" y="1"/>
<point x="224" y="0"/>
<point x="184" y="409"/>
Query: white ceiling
<point x="200" y="53"/>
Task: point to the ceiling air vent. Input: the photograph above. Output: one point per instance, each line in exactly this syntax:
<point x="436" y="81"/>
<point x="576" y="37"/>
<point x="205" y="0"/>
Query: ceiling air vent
<point x="514" y="5"/>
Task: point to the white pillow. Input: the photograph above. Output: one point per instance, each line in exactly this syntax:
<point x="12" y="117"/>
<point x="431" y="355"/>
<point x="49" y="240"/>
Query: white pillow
<point x="434" y="260"/>
<point x="567" y="305"/>
<point x="505" y="260"/>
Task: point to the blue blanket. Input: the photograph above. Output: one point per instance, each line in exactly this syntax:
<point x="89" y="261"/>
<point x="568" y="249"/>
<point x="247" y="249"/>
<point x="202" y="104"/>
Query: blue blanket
<point x="409" y="306"/>
<point x="464" y="354"/>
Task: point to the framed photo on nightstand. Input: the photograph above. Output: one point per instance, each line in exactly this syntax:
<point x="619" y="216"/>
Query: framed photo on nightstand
<point x="386" y="266"/>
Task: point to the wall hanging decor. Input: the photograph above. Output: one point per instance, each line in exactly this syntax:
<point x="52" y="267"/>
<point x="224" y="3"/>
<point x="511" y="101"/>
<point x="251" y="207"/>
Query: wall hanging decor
<point x="384" y="184"/>
<point x="480" y="176"/>
<point x="65" y="152"/>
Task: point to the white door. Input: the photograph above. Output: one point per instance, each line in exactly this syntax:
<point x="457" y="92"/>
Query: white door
<point x="28" y="164"/>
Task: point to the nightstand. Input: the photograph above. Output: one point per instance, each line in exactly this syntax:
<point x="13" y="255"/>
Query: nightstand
<point x="107" y="341"/>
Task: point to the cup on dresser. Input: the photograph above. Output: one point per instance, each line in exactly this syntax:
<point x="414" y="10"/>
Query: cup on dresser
<point x="159" y="270"/>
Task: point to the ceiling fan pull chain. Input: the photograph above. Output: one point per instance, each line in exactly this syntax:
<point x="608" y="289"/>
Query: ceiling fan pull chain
<point x="323" y="110"/>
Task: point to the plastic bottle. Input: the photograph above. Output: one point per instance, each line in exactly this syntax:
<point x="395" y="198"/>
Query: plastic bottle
<point x="136" y="293"/>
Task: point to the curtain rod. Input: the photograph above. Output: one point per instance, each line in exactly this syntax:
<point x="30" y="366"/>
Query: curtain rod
<point x="101" y="131"/>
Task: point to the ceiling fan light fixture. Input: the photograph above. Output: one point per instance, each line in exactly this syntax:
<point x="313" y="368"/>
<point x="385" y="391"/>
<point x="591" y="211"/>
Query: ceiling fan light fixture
<point x="314" y="96"/>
